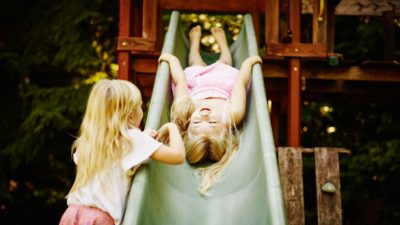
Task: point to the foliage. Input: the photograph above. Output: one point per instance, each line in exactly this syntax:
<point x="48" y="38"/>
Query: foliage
<point x="75" y="37"/>
<point x="360" y="38"/>
<point x="52" y="49"/>
<point x="39" y="158"/>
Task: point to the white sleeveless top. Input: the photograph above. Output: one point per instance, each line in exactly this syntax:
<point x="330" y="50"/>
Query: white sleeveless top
<point x="110" y="195"/>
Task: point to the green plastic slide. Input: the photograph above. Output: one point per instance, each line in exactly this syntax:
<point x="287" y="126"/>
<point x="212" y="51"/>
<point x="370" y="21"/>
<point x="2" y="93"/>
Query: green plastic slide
<point x="249" y="192"/>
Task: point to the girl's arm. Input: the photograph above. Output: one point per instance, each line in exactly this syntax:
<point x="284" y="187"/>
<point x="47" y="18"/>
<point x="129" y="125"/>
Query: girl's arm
<point x="239" y="92"/>
<point x="174" y="153"/>
<point x="177" y="74"/>
<point x="182" y="106"/>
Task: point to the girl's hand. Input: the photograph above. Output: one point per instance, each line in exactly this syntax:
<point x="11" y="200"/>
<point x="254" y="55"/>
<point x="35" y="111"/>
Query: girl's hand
<point x="152" y="133"/>
<point x="167" y="57"/>
<point x="163" y="132"/>
<point x="253" y="60"/>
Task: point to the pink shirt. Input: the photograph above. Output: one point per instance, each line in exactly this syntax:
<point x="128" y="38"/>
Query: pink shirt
<point x="213" y="81"/>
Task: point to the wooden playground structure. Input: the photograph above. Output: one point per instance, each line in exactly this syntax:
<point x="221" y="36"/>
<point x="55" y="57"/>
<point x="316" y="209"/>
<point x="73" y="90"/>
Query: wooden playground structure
<point x="293" y="72"/>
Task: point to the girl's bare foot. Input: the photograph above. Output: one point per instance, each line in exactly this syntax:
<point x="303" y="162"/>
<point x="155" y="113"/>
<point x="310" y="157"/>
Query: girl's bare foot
<point x="194" y="52"/>
<point x="195" y="35"/>
<point x="220" y="37"/>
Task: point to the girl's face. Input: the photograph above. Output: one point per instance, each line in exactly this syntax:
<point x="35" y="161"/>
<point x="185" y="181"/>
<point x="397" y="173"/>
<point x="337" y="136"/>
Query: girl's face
<point x="206" y="121"/>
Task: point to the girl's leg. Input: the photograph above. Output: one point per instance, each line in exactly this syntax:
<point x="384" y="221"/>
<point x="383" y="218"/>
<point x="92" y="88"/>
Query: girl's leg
<point x="194" y="52"/>
<point x="219" y="35"/>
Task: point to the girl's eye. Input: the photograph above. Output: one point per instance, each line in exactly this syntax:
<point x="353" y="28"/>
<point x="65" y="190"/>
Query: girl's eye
<point x="212" y="122"/>
<point x="196" y="122"/>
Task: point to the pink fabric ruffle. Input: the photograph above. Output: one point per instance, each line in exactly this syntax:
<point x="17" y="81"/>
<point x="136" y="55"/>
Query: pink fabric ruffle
<point x="85" y="215"/>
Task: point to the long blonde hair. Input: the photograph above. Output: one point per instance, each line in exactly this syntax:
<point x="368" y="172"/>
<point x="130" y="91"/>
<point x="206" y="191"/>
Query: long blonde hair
<point x="181" y="111"/>
<point x="217" y="150"/>
<point x="103" y="135"/>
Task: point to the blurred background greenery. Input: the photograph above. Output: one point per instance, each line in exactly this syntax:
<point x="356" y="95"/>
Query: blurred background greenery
<point x="51" y="52"/>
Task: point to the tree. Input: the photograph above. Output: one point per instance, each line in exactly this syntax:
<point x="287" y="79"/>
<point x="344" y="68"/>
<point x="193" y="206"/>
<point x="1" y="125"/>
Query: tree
<point x="51" y="54"/>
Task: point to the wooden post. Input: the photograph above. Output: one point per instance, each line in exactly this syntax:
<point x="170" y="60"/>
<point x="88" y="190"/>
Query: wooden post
<point x="291" y="173"/>
<point x="320" y="21"/>
<point x="327" y="181"/>
<point x="294" y="70"/>
<point x="124" y="58"/>
<point x="150" y="16"/>
<point x="255" y="14"/>
<point x="328" y="186"/>
<point x="271" y="21"/>
<point x="294" y="101"/>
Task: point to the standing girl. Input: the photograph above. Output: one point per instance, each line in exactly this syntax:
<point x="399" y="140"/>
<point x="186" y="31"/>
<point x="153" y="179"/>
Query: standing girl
<point x="109" y="149"/>
<point x="209" y="102"/>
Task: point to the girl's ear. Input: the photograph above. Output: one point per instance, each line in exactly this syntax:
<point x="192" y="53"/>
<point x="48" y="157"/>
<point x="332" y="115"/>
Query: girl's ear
<point x="135" y="118"/>
<point x="131" y="119"/>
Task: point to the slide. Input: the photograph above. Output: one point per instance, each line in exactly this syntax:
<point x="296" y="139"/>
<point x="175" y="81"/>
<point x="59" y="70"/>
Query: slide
<point x="249" y="192"/>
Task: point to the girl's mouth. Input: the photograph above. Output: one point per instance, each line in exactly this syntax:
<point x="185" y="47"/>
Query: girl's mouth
<point x="205" y="109"/>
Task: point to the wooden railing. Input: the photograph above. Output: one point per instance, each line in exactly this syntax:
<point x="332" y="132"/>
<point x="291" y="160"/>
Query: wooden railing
<point x="327" y="183"/>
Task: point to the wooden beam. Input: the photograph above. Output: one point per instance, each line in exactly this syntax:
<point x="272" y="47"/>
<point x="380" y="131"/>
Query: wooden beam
<point x="225" y="6"/>
<point x="296" y="50"/>
<point x="366" y="7"/>
<point x="135" y="44"/>
<point x="377" y="72"/>
<point x="354" y="73"/>
<point x="368" y="71"/>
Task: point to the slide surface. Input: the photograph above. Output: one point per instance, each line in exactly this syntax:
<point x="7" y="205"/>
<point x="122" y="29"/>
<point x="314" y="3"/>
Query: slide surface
<point x="249" y="192"/>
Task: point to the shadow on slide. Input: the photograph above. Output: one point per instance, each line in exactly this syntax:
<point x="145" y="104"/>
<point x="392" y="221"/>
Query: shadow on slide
<point x="249" y="192"/>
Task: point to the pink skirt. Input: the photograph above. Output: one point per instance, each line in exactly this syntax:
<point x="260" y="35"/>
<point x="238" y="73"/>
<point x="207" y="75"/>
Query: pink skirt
<point x="85" y="215"/>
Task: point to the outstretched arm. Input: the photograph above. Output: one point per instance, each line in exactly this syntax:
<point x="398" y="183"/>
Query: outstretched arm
<point x="177" y="74"/>
<point x="182" y="106"/>
<point x="239" y="92"/>
<point x="174" y="152"/>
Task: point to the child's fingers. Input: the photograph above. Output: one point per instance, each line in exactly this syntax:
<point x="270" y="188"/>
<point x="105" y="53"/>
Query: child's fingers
<point x="256" y="59"/>
<point x="152" y="133"/>
<point x="164" y="57"/>
<point x="160" y="137"/>
<point x="161" y="58"/>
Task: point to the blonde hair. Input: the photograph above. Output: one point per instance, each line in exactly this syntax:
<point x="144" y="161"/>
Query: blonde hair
<point x="103" y="135"/>
<point x="218" y="150"/>
<point x="181" y="111"/>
